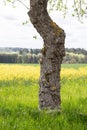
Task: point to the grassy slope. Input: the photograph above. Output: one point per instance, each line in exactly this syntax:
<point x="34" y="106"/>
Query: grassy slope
<point x="19" y="102"/>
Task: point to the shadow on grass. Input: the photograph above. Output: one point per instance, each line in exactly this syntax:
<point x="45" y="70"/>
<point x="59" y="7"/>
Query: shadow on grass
<point x="75" y="113"/>
<point x="76" y="117"/>
<point x="22" y="111"/>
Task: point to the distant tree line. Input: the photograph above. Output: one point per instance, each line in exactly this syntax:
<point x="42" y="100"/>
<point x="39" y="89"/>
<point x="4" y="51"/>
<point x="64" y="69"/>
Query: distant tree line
<point x="24" y="55"/>
<point x="77" y="51"/>
<point x="17" y="58"/>
<point x="71" y="58"/>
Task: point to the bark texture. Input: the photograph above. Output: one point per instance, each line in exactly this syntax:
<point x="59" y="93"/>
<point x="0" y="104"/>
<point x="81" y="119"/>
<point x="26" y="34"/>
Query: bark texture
<point x="52" y="54"/>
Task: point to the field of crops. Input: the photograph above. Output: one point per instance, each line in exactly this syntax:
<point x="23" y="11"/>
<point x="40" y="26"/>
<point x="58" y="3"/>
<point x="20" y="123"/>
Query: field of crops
<point x="19" y="99"/>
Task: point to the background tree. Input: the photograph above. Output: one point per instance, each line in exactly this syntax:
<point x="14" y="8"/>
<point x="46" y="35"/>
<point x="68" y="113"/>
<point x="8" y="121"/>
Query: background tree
<point x="53" y="50"/>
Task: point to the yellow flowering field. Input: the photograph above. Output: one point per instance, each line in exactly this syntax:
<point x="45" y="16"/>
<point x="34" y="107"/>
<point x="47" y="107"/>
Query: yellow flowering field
<point x="74" y="73"/>
<point x="31" y="72"/>
<point x="11" y="72"/>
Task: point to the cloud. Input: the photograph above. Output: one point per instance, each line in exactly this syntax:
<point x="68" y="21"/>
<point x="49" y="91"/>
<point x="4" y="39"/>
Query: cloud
<point x="14" y="34"/>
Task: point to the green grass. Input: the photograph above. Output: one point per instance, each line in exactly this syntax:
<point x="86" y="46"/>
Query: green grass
<point x="75" y="66"/>
<point x="19" y="106"/>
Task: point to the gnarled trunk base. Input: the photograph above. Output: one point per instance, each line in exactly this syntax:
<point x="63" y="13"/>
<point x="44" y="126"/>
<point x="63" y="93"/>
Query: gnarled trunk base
<point x="49" y="94"/>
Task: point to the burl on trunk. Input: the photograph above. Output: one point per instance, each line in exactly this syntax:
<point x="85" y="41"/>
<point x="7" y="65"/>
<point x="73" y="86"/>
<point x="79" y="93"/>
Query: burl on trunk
<point x="52" y="54"/>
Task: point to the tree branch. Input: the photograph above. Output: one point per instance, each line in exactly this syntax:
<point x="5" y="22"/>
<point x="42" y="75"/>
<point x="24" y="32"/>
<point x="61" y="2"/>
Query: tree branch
<point x="23" y="4"/>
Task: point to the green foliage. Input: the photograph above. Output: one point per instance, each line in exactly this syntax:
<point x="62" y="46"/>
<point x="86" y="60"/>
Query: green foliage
<point x="79" y="7"/>
<point x="9" y="0"/>
<point x="19" y="106"/>
<point x="35" y="37"/>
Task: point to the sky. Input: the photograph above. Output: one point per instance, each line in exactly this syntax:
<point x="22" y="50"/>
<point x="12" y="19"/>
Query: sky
<point x="14" y="34"/>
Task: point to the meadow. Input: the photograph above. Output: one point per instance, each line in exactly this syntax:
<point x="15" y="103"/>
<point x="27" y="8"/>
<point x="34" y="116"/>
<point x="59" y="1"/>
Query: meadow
<point x="19" y="99"/>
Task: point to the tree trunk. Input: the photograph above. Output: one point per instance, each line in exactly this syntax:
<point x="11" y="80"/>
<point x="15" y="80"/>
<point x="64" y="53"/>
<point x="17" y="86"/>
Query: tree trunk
<point x="52" y="54"/>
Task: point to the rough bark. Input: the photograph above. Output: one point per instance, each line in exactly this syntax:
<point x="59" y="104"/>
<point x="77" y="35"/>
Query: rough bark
<point x="52" y="54"/>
